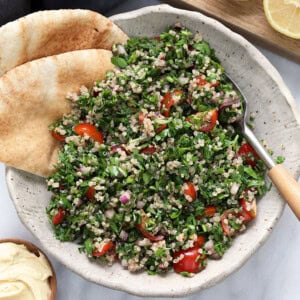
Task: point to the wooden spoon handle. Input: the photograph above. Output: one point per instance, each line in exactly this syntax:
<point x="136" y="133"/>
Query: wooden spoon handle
<point x="288" y="187"/>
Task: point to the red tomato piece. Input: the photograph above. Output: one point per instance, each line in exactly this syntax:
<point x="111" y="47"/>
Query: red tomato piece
<point x="249" y="154"/>
<point x="141" y="117"/>
<point x="141" y="228"/>
<point x="210" y="211"/>
<point x="200" y="241"/>
<point x="202" y="82"/>
<point x="249" y="209"/>
<point x="191" y="261"/>
<point x="190" y="190"/>
<point x="168" y="101"/>
<point x="204" y="121"/>
<point x="104" y="249"/>
<point x="177" y="93"/>
<point x="98" y="137"/>
<point x="90" y="130"/>
<point x="59" y="216"/>
<point x="58" y="136"/>
<point x="166" y="104"/>
<point x="167" y="97"/>
<point x="90" y="193"/>
<point x="161" y="128"/>
<point x="148" y="150"/>
<point x="228" y="230"/>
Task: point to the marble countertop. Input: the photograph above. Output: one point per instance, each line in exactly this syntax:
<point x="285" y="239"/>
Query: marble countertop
<point x="272" y="273"/>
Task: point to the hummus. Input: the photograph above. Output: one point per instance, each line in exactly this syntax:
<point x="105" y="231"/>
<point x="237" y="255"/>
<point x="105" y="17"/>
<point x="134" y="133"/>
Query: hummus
<point x="23" y="275"/>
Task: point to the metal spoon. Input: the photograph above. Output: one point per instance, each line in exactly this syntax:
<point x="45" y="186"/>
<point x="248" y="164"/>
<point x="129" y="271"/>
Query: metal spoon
<point x="288" y="187"/>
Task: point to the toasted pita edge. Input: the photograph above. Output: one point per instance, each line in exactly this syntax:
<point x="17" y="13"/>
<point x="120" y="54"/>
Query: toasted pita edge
<point x="47" y="33"/>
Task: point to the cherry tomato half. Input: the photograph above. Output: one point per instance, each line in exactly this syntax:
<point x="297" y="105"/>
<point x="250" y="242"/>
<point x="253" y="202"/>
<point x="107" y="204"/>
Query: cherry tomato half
<point x="168" y="101"/>
<point x="202" y="82"/>
<point x="210" y="210"/>
<point x="200" y="241"/>
<point x="90" y="193"/>
<point x="166" y="104"/>
<point x="90" y="130"/>
<point x="191" y="261"/>
<point x="190" y="190"/>
<point x="248" y="209"/>
<point x="59" y="216"/>
<point x="204" y="121"/>
<point x="161" y="128"/>
<point x="57" y="136"/>
<point x="141" y="117"/>
<point x="104" y="249"/>
<point x="141" y="228"/>
<point x="248" y="154"/>
<point x="227" y="229"/>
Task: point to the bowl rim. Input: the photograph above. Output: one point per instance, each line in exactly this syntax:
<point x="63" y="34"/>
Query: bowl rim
<point x="263" y="62"/>
<point x="250" y="48"/>
<point x="35" y="250"/>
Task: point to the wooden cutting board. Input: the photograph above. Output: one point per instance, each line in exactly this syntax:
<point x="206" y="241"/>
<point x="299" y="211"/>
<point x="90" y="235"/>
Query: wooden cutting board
<point x="247" y="18"/>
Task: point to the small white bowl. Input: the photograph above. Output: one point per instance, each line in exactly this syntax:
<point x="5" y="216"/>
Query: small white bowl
<point x="277" y="122"/>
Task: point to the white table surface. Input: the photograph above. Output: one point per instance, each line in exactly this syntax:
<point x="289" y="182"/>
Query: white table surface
<point x="271" y="274"/>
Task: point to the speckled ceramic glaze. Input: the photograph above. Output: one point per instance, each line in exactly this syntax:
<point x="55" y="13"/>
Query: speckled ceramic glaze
<point x="277" y="122"/>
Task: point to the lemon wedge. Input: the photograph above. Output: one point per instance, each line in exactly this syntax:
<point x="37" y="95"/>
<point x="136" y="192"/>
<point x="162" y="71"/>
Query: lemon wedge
<point x="284" y="16"/>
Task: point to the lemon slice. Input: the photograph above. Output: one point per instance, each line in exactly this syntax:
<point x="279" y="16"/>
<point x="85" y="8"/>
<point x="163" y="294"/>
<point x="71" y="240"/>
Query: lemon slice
<point x="284" y="16"/>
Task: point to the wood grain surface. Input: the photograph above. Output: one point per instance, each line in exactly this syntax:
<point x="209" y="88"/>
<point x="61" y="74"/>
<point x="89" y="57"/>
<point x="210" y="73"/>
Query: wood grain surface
<point x="247" y="18"/>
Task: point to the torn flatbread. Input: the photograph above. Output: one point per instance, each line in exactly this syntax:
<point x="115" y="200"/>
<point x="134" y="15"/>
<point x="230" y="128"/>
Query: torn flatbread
<point x="47" y="33"/>
<point x="32" y="96"/>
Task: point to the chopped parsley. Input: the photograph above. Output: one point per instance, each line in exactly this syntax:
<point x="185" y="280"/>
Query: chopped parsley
<point x="155" y="165"/>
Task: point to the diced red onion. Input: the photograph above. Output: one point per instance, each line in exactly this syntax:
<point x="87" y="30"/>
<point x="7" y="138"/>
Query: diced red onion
<point x="116" y="148"/>
<point x="215" y="256"/>
<point x="227" y="103"/>
<point x="95" y="93"/>
<point x="123" y="235"/>
<point x="234" y="188"/>
<point x="125" y="197"/>
<point x="209" y="247"/>
<point x="84" y="170"/>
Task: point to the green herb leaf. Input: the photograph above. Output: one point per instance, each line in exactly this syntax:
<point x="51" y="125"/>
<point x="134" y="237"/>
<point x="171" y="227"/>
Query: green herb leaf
<point x="280" y="159"/>
<point x="185" y="274"/>
<point x="119" y="62"/>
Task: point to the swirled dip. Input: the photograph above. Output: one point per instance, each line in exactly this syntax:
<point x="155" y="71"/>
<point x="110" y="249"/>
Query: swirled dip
<point x="23" y="275"/>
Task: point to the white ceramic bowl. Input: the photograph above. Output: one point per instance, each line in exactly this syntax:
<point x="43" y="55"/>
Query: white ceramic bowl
<point x="277" y="122"/>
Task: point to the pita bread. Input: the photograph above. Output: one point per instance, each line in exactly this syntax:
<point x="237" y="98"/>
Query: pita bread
<point x="53" y="32"/>
<point x="32" y="96"/>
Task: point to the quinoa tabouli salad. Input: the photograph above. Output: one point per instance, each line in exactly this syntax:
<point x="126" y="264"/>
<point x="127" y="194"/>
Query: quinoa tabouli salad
<point x="152" y="171"/>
